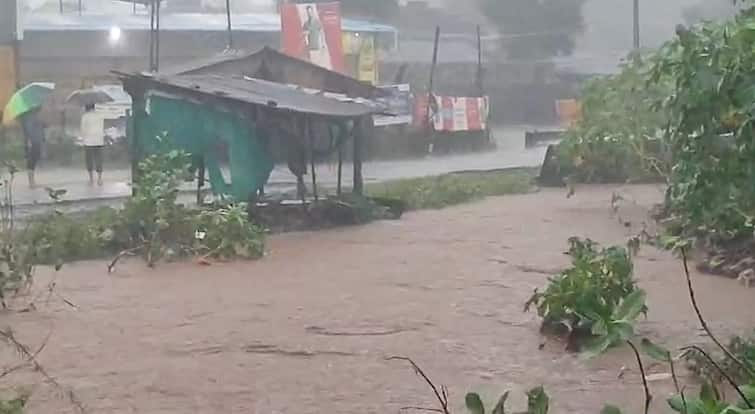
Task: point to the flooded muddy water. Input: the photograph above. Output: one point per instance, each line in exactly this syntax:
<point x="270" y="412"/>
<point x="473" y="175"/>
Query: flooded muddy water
<point x="308" y="328"/>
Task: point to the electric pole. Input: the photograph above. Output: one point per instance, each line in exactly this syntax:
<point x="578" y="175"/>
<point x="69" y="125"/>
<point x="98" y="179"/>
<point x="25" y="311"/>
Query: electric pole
<point x="229" y="46"/>
<point x="636" y="27"/>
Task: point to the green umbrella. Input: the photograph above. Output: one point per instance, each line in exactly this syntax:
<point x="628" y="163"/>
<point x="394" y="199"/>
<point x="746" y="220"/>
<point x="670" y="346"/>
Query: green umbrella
<point x="26" y="99"/>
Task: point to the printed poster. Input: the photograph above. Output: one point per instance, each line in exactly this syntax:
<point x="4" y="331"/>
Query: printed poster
<point x="399" y="103"/>
<point x="312" y="32"/>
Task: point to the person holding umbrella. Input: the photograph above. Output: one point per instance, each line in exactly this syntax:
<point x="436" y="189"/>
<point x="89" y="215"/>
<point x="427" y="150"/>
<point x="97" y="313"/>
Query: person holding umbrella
<point x="92" y="134"/>
<point x="24" y="107"/>
<point x="92" y="129"/>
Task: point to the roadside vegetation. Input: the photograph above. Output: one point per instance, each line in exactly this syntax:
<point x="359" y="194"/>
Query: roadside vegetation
<point x="595" y="302"/>
<point x="681" y="114"/>
<point x="452" y="189"/>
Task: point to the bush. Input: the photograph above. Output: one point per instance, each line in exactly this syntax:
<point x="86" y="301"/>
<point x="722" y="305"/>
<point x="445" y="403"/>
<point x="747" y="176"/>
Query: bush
<point x="597" y="296"/>
<point x="226" y="232"/>
<point x="741" y="347"/>
<point x="620" y="137"/>
<point x="451" y="189"/>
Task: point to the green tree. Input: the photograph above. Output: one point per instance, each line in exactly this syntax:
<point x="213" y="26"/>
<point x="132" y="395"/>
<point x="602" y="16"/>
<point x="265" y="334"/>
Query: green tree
<point x="535" y="29"/>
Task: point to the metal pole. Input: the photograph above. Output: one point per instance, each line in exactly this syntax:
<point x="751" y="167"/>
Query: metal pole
<point x="80" y="7"/>
<point x="478" y="80"/>
<point x="432" y="73"/>
<point x="60" y="6"/>
<point x="157" y="37"/>
<point x="152" y="37"/>
<point x="430" y="97"/>
<point x="228" y="17"/>
<point x="636" y="42"/>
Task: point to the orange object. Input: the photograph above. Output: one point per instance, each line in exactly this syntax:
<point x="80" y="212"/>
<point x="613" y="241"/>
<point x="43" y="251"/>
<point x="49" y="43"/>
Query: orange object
<point x="569" y="111"/>
<point x="7" y="74"/>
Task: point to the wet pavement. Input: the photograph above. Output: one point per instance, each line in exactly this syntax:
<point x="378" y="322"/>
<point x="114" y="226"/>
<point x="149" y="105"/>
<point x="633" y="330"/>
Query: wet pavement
<point x="510" y="152"/>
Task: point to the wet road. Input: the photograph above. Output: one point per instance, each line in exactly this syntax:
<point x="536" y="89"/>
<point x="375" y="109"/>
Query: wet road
<point x="510" y="152"/>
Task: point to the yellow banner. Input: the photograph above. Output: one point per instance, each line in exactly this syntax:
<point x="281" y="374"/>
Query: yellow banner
<point x="7" y="75"/>
<point x="368" y="60"/>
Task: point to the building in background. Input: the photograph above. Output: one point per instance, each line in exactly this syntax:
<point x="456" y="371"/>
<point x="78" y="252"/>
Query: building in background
<point x="76" y="51"/>
<point x="10" y="34"/>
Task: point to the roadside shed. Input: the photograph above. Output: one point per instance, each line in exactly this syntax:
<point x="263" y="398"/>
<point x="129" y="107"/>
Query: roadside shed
<point x="272" y="65"/>
<point x="241" y="116"/>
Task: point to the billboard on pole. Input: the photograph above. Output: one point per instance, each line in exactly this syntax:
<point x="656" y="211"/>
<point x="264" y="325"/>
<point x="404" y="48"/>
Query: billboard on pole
<point x="312" y="32"/>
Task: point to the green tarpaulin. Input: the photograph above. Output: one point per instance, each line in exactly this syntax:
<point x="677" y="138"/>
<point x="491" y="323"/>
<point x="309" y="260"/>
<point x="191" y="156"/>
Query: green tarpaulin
<point x="205" y="131"/>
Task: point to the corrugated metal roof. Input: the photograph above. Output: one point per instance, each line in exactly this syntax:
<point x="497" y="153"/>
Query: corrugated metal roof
<point x="258" y="22"/>
<point x="259" y="92"/>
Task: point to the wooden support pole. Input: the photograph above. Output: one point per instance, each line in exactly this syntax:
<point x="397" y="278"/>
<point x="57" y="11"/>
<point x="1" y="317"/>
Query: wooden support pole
<point x="200" y="180"/>
<point x="359" y="132"/>
<point x="339" y="189"/>
<point x="311" y="145"/>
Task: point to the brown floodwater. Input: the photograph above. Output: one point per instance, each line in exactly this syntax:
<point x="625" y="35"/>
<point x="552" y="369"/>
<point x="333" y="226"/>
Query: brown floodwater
<point x="308" y="328"/>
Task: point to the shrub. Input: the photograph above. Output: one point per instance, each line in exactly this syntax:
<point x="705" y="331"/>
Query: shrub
<point x="451" y="189"/>
<point x="226" y="232"/>
<point x="620" y="136"/>
<point x="596" y="296"/>
<point x="741" y="347"/>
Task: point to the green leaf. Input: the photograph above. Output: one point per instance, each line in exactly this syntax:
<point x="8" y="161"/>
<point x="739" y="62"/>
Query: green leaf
<point x="599" y="328"/>
<point x="631" y="306"/>
<point x="500" y="408"/>
<point x="621" y="331"/>
<point x="709" y="393"/>
<point x="597" y="346"/>
<point x="694" y="405"/>
<point x="749" y="393"/>
<point x="655" y="351"/>
<point x="474" y="403"/>
<point x="537" y="401"/>
<point x="610" y="409"/>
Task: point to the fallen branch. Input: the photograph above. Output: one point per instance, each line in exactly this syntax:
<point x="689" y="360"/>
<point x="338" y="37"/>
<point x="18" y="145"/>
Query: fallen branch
<point x="31" y="358"/>
<point x="116" y="259"/>
<point x="27" y="361"/>
<point x="704" y="324"/>
<point x="430" y="410"/>
<point x="441" y="396"/>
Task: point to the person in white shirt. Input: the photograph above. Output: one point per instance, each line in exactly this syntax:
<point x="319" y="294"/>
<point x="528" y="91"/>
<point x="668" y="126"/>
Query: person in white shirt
<point x="92" y="134"/>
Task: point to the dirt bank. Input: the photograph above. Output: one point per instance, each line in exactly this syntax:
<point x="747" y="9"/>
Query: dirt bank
<point x="307" y="329"/>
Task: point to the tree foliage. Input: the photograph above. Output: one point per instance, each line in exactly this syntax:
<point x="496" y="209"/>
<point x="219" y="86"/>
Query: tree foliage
<point x="620" y="136"/>
<point x="535" y="29"/>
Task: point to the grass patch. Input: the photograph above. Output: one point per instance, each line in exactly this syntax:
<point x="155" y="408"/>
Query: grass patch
<point x="450" y="189"/>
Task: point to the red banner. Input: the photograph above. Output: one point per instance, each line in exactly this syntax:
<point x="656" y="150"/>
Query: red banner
<point x="312" y="32"/>
<point x="452" y="113"/>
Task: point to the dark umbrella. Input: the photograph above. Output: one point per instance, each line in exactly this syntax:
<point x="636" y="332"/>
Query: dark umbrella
<point x="84" y="97"/>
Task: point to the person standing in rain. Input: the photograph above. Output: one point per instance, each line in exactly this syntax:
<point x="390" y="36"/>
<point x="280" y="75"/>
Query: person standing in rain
<point x="34" y="138"/>
<point x="92" y="133"/>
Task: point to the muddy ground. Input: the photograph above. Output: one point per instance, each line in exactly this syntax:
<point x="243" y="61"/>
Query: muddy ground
<point x="308" y="328"/>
